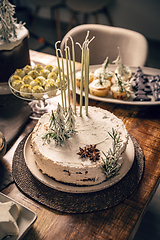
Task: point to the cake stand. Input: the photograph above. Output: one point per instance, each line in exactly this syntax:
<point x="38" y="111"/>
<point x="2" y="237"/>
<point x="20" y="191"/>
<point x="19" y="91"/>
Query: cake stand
<point x="40" y="103"/>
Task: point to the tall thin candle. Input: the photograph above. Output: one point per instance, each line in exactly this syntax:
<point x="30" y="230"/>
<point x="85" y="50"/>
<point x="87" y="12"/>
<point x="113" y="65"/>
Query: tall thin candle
<point x="74" y="76"/>
<point x="64" y="84"/>
<point x="87" y="80"/>
<point x="81" y="86"/>
<point x="85" y="74"/>
<point x="67" y="74"/>
<point x="59" y="70"/>
<point x="70" y="65"/>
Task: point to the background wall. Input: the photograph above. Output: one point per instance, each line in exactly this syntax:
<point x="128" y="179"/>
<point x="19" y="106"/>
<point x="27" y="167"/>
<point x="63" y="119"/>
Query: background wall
<point x="139" y="15"/>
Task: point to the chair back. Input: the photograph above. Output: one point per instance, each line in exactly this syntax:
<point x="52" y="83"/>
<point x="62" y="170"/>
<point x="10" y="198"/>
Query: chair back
<point x="133" y="45"/>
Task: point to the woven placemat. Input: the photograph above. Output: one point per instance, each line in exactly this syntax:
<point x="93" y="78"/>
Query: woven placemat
<point x="77" y="202"/>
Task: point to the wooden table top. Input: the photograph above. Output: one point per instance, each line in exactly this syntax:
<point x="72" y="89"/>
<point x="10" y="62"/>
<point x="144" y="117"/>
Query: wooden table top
<point x="119" y="222"/>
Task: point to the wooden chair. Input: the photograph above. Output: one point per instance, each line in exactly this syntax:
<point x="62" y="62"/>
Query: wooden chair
<point x="53" y="5"/>
<point x="133" y="45"/>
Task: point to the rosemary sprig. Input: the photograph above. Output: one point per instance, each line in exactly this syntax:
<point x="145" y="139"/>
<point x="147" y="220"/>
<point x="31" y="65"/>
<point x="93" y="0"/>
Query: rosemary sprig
<point x="111" y="163"/>
<point x="120" y="84"/>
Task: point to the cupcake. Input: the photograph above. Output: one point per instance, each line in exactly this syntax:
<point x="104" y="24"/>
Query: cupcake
<point x="121" y="90"/>
<point x="121" y="70"/>
<point x="103" y="72"/>
<point x="78" y="79"/>
<point x="99" y="88"/>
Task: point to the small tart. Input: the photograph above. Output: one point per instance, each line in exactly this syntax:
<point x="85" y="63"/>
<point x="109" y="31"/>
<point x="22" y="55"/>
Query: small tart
<point x="122" y="71"/>
<point x="78" y="79"/>
<point x="99" y="88"/>
<point x="107" y="75"/>
<point x="125" y="74"/>
<point x="116" y="93"/>
<point x="103" y="72"/>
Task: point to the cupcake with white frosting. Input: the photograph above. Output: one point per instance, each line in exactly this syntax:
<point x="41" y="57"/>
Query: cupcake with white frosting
<point x="103" y="71"/>
<point x="121" y="90"/>
<point x="99" y="88"/>
<point x="121" y="70"/>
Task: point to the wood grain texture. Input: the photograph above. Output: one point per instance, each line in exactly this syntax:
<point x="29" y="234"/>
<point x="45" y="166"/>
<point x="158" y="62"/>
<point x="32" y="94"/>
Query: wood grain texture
<point x="116" y="223"/>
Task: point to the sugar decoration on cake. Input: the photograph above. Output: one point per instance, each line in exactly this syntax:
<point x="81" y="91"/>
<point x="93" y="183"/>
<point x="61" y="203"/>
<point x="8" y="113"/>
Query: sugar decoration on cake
<point x="8" y="22"/>
<point x="61" y="127"/>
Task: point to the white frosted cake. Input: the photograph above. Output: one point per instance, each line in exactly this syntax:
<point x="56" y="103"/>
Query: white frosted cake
<point x="65" y="162"/>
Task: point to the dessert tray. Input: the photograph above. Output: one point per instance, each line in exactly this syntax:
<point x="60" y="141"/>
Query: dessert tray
<point x="38" y="101"/>
<point x="129" y="101"/>
<point x="25" y="219"/>
<point x="128" y="159"/>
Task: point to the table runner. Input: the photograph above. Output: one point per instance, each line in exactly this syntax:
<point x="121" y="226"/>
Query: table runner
<point x="76" y="202"/>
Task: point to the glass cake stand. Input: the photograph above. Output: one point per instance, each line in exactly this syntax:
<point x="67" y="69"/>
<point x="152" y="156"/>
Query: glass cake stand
<point x="40" y="103"/>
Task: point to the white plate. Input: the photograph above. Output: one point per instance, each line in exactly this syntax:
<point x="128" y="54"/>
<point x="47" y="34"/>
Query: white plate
<point x="110" y="99"/>
<point x="25" y="219"/>
<point x="128" y="157"/>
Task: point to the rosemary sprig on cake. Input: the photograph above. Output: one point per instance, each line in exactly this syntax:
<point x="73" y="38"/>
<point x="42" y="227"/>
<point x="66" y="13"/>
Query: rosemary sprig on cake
<point x="111" y="163"/>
